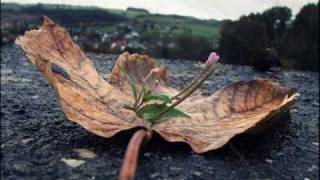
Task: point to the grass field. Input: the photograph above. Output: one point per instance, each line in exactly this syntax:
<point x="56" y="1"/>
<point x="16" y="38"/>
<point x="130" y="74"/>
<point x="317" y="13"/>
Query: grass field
<point x="196" y="27"/>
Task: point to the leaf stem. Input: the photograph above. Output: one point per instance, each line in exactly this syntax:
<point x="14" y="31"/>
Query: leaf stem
<point x="136" y="104"/>
<point x="189" y="92"/>
<point x="129" y="164"/>
<point x="191" y="84"/>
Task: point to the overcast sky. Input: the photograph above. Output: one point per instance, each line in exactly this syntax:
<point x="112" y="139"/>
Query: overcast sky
<point x="206" y="9"/>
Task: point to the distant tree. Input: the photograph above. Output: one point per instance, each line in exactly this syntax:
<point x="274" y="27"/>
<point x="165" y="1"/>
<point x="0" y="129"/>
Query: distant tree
<point x="302" y="39"/>
<point x="141" y="10"/>
<point x="190" y="47"/>
<point x="241" y="39"/>
<point x="72" y="16"/>
<point x="276" y="21"/>
<point x="180" y="46"/>
<point x="255" y="39"/>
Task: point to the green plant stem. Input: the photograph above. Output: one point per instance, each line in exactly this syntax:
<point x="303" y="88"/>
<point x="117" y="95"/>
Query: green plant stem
<point x="191" y="84"/>
<point x="188" y="93"/>
<point x="136" y="104"/>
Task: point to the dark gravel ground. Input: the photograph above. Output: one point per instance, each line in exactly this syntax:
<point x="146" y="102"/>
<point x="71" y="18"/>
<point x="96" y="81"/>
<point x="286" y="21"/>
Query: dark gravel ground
<point x="35" y="134"/>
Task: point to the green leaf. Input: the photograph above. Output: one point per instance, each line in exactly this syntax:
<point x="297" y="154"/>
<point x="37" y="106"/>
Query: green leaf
<point x="163" y="98"/>
<point x="150" y="116"/>
<point x="151" y="112"/>
<point x="175" y="113"/>
<point x="131" y="82"/>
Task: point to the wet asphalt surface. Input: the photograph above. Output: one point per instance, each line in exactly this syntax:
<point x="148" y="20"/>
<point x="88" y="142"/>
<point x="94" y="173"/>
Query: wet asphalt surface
<point x="35" y="135"/>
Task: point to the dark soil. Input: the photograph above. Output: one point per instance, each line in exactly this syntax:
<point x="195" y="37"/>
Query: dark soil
<point x="35" y="135"/>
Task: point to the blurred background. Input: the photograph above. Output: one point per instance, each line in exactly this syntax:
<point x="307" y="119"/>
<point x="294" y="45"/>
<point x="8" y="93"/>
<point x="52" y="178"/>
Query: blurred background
<point x="259" y="33"/>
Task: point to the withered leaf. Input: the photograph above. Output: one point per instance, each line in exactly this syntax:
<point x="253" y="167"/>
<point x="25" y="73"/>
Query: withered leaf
<point x="100" y="106"/>
<point x="85" y="97"/>
<point x="230" y="111"/>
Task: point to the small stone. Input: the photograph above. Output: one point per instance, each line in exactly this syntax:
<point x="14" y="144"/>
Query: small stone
<point x="164" y="158"/>
<point x="154" y="175"/>
<point x="26" y="141"/>
<point x="313" y="168"/>
<point x="279" y="154"/>
<point x="12" y="79"/>
<point x="210" y="168"/>
<point x="196" y="173"/>
<point x="35" y="97"/>
<point x="294" y="110"/>
<point x="198" y="64"/>
<point x="306" y="178"/>
<point x="8" y="144"/>
<point x="207" y="83"/>
<point x="22" y="167"/>
<point x="19" y="112"/>
<point x="270" y="161"/>
<point x="6" y="71"/>
<point x="315" y="143"/>
<point x="73" y="162"/>
<point x="315" y="104"/>
<point x="147" y="154"/>
<point x="175" y="168"/>
<point x="187" y="75"/>
<point x="85" y="153"/>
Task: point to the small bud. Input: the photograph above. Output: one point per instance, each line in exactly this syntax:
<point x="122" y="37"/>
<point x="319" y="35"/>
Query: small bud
<point x="212" y="59"/>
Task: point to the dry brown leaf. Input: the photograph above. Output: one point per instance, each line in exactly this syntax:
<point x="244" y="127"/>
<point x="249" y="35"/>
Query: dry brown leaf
<point x="85" y="97"/>
<point x="100" y="106"/>
<point x="230" y="111"/>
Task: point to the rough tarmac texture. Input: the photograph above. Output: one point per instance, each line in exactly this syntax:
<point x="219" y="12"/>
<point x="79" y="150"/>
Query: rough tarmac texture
<point x="36" y="136"/>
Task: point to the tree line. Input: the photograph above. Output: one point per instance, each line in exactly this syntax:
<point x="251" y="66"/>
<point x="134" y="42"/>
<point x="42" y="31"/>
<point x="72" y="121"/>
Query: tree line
<point x="295" y="42"/>
<point x="67" y="15"/>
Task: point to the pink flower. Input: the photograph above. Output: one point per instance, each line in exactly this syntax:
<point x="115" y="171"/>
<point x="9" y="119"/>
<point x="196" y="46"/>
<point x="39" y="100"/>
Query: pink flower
<point x="213" y="58"/>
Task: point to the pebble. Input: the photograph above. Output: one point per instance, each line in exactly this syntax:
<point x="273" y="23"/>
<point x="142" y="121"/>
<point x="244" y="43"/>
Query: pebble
<point x="165" y="158"/>
<point x="26" y="141"/>
<point x="73" y="162"/>
<point x="196" y="173"/>
<point x="22" y="167"/>
<point x="313" y="168"/>
<point x="199" y="64"/>
<point x="175" y="168"/>
<point x="207" y="83"/>
<point x="154" y="175"/>
<point x="280" y="154"/>
<point x="35" y="97"/>
<point x="270" y="161"/>
<point x="315" y="143"/>
<point x="12" y="79"/>
<point x="187" y="75"/>
<point x="6" y="71"/>
<point x="8" y="144"/>
<point x="306" y="178"/>
<point x="85" y="153"/>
